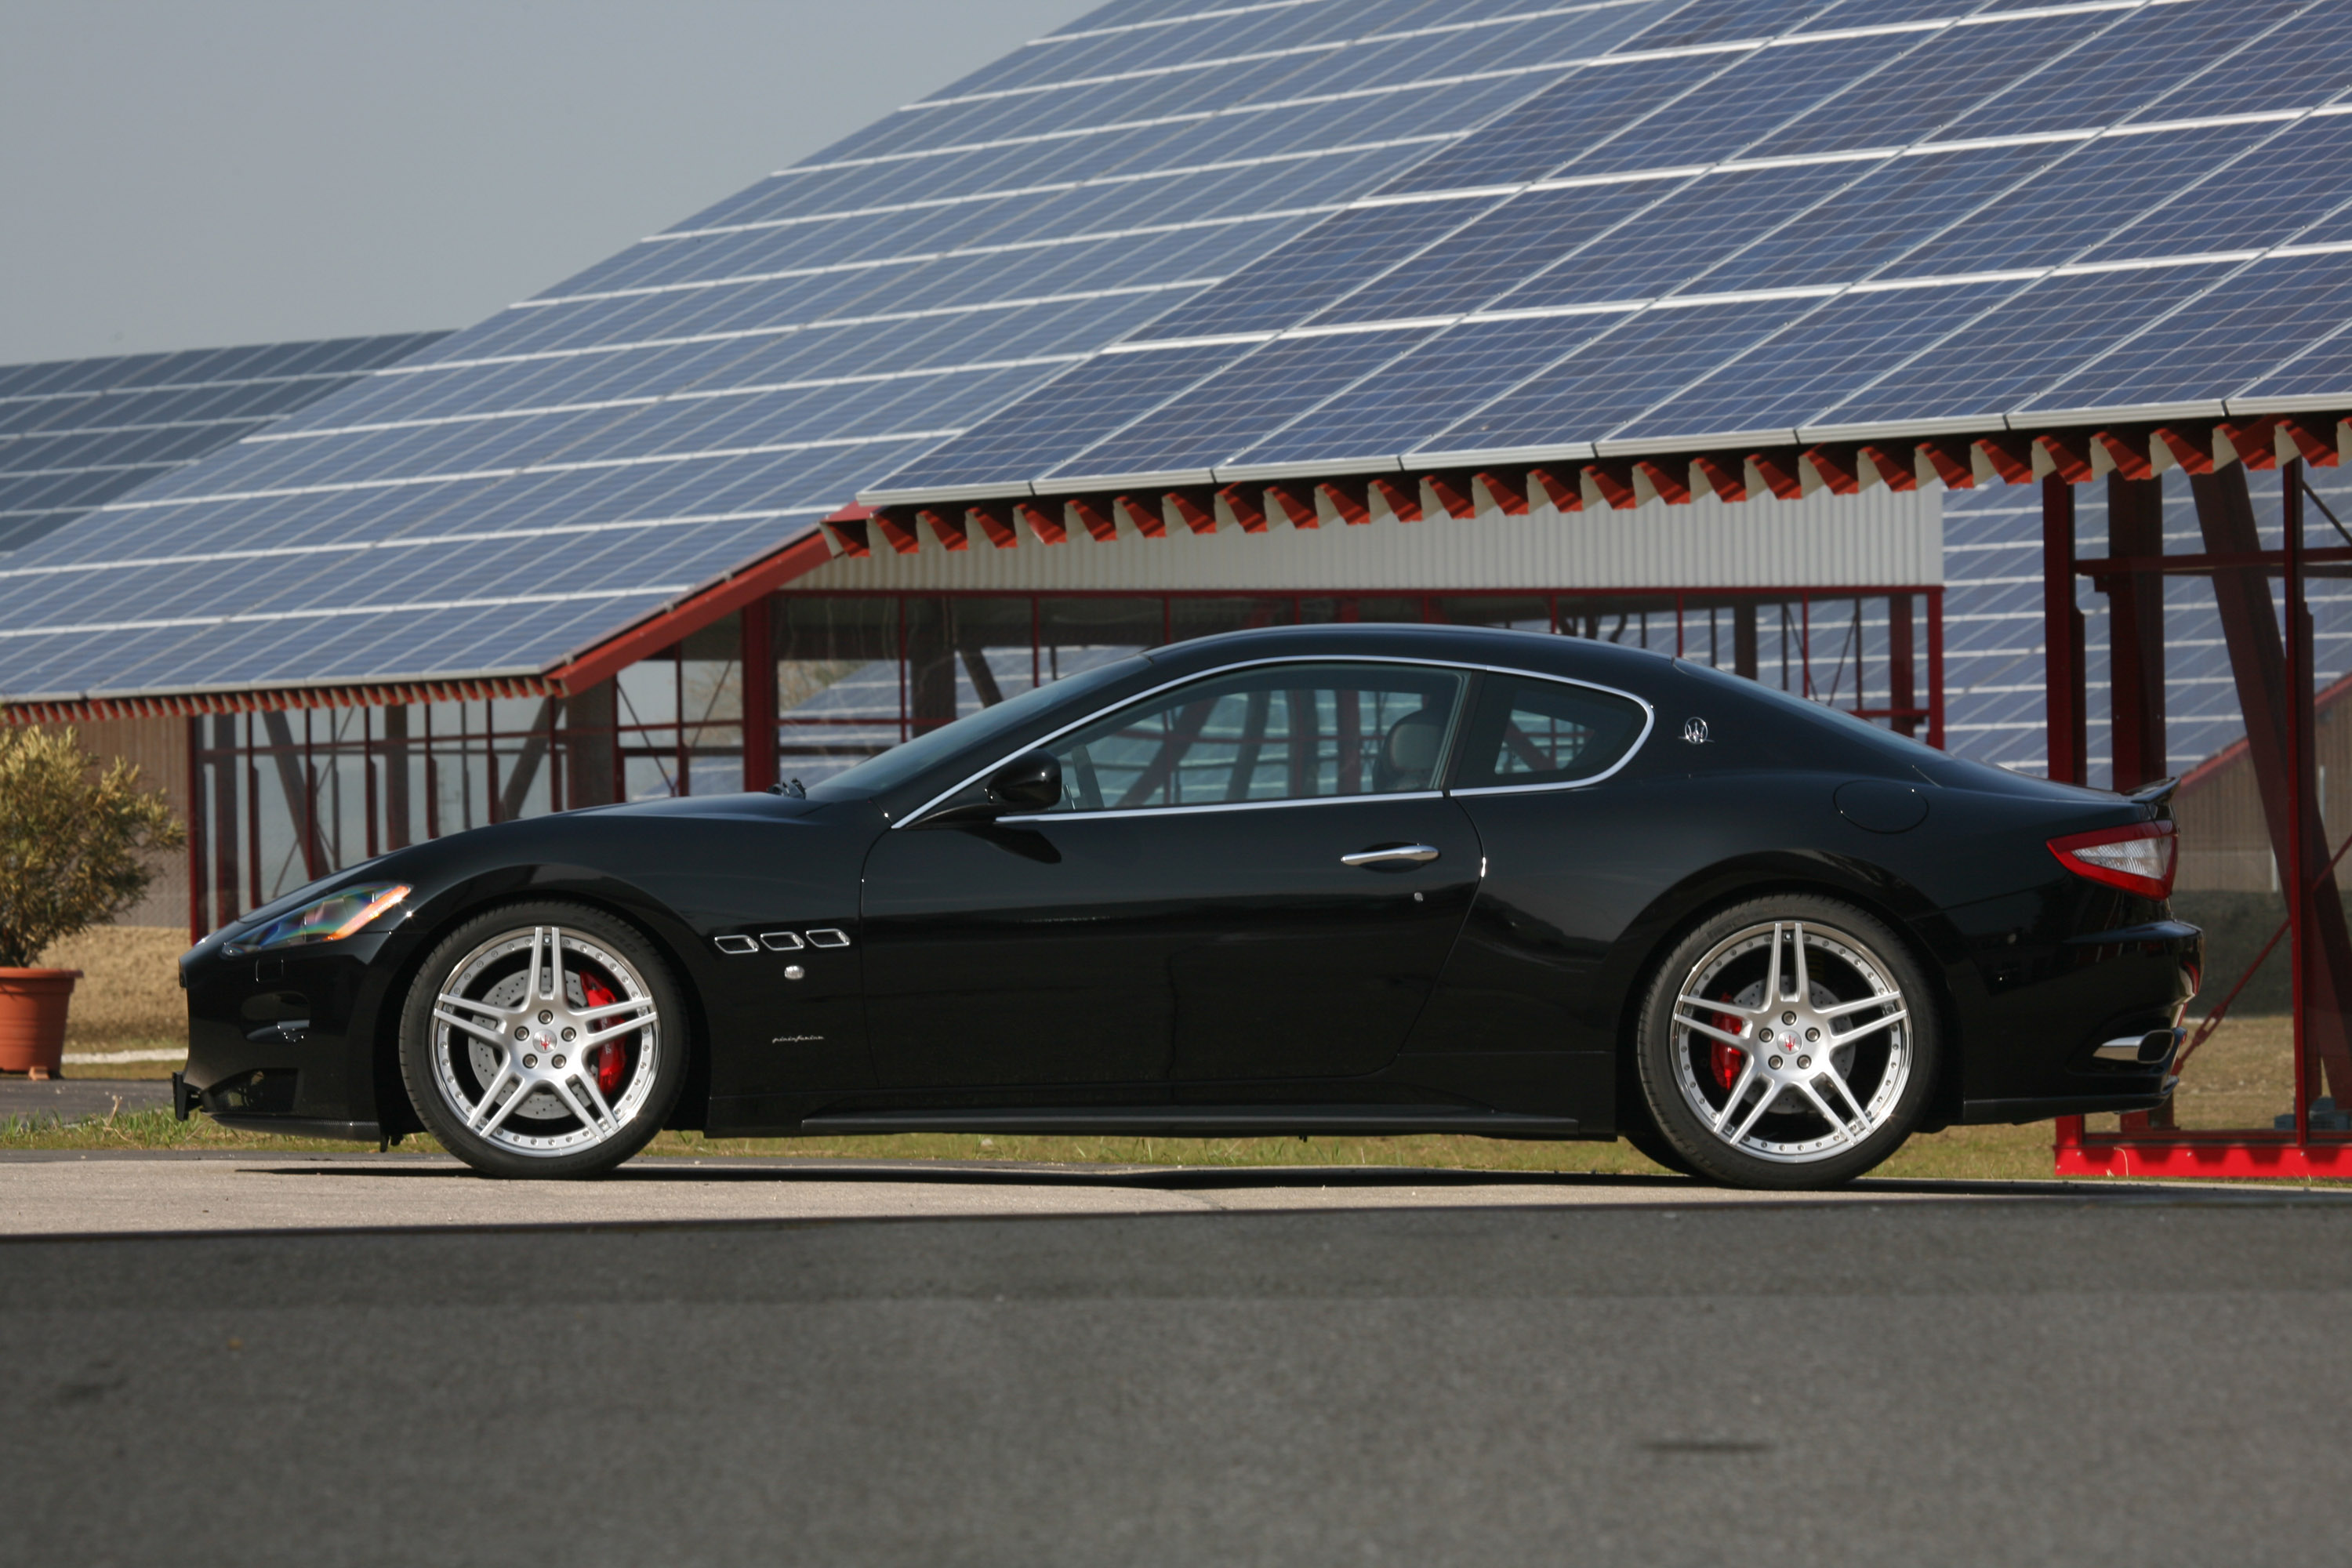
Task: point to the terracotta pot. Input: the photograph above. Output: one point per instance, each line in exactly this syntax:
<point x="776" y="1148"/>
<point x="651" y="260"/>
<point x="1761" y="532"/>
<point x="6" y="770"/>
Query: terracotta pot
<point x="32" y="1019"/>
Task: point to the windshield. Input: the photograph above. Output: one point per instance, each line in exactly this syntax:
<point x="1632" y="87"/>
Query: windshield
<point x="974" y="731"/>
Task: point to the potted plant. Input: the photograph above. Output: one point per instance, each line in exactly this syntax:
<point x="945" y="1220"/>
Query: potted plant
<point x="72" y="832"/>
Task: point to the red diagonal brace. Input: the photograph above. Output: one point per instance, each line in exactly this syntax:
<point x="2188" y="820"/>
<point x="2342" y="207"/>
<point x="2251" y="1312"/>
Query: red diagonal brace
<point x="1835" y="465"/>
<point x="1950" y="462"/>
<point x="1296" y="504"/>
<point x="1560" y="489"/>
<point x="1725" y="474"/>
<point x="946" y="526"/>
<point x="848" y="527"/>
<point x="1777" y="470"/>
<point x="1248" y="510"/>
<point x="1512" y="497"/>
<point x="2192" y="455"/>
<point x="1454" y="493"/>
<point x="1044" y="520"/>
<point x="2315" y="439"/>
<point x="1670" y="479"/>
<point x="2255" y="441"/>
<point x="1197" y="507"/>
<point x="899" y="530"/>
<point x="996" y="521"/>
<point x="1148" y="520"/>
<point x="1095" y="518"/>
<point x="2011" y="455"/>
<point x="2070" y="454"/>
<point x="1613" y="477"/>
<point x="1402" y="496"/>
<point x="1347" y="499"/>
<point x="2128" y="450"/>
<point x="1896" y="470"/>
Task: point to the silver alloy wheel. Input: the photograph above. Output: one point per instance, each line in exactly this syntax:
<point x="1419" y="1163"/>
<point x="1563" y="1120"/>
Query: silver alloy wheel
<point x="520" y="1039"/>
<point x="1791" y="1041"/>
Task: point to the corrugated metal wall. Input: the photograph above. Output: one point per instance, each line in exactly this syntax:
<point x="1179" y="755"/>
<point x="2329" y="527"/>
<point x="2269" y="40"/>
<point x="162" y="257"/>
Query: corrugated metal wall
<point x="1880" y="537"/>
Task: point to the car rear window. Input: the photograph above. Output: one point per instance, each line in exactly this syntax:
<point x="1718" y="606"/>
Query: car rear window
<point x="1528" y="732"/>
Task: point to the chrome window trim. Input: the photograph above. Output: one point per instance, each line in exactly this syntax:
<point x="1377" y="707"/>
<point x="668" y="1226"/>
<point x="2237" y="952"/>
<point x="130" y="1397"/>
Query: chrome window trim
<point x="1209" y="806"/>
<point x="1649" y="724"/>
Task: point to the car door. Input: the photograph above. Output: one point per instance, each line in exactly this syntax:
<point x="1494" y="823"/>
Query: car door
<point x="1251" y="876"/>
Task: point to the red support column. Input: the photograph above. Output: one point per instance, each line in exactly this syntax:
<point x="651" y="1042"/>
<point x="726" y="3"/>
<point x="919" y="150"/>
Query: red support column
<point x="2322" y="957"/>
<point x="2296" y="881"/>
<point x="2061" y="634"/>
<point x="1936" y="668"/>
<point x="2136" y="632"/>
<point x="759" y="658"/>
<point x="196" y="836"/>
<point x="1901" y="691"/>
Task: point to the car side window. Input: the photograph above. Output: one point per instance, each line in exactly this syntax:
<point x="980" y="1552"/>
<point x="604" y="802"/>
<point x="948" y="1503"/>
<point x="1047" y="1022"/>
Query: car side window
<point x="1275" y="732"/>
<point x="1529" y="731"/>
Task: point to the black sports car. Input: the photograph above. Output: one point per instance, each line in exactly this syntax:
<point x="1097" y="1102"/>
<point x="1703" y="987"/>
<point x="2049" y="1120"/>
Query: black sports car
<point x="1370" y="878"/>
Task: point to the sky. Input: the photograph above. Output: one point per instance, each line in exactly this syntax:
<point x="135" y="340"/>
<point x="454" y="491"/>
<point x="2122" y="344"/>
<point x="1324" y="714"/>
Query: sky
<point x="176" y="174"/>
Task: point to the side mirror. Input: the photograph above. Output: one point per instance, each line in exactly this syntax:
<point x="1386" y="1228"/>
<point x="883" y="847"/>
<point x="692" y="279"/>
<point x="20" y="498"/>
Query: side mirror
<point x="1032" y="782"/>
<point x="1028" y="782"/>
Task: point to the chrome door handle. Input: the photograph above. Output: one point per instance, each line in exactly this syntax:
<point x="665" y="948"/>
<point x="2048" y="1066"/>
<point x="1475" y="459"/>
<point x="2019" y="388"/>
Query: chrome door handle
<point x="1419" y="854"/>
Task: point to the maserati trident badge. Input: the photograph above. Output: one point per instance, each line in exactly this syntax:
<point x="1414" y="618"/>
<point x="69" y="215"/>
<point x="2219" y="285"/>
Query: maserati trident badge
<point x="1695" y="731"/>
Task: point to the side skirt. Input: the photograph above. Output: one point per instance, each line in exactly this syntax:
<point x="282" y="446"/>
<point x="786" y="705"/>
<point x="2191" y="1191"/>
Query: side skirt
<point x="1201" y="1121"/>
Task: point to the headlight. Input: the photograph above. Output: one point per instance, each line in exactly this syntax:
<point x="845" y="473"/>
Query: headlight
<point x="331" y="919"/>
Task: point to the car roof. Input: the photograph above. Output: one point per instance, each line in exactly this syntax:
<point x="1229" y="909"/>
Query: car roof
<point x="1543" y="652"/>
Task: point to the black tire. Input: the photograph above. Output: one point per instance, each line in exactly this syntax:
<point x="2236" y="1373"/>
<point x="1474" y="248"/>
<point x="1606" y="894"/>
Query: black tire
<point x="617" y="1024"/>
<point x="1817" y="1088"/>
<point x="1654" y="1148"/>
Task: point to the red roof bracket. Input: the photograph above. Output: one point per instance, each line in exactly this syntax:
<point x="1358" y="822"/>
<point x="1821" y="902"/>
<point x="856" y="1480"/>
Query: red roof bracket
<point x="1670" y="479"/>
<point x="1836" y="463"/>
<point x="2187" y="452"/>
<point x="2128" y="450"/>
<point x="2011" y="455"/>
<point x="1148" y="520"/>
<point x="2070" y="455"/>
<point x="1725" y="474"/>
<point x="996" y="521"/>
<point x="1561" y="490"/>
<point x="851" y="533"/>
<point x="2316" y="442"/>
<point x="1298" y="506"/>
<point x="1197" y="507"/>
<point x="1894" y="466"/>
<point x="899" y="530"/>
<point x="1248" y="510"/>
<point x="1401" y="496"/>
<point x="1950" y="462"/>
<point x="1613" y="478"/>
<point x="947" y="527"/>
<point x="1511" y="498"/>
<point x="1095" y="518"/>
<point x="1777" y="470"/>
<point x="2255" y="441"/>
<point x="1454" y="493"/>
<point x="1044" y="520"/>
<point x="1349" y="499"/>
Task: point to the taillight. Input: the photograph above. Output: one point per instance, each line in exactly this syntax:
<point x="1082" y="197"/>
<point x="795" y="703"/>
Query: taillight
<point x="2138" y="858"/>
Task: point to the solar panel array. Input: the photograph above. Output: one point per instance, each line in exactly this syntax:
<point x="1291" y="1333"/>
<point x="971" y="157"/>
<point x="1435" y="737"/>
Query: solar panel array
<point x="1995" y="688"/>
<point x="530" y="485"/>
<point x="1772" y="220"/>
<point x="75" y="434"/>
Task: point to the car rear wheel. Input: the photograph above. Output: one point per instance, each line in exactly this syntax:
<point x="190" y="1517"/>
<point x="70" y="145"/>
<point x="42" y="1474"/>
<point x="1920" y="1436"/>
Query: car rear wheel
<point x="544" y="1040"/>
<point x="1788" y="1042"/>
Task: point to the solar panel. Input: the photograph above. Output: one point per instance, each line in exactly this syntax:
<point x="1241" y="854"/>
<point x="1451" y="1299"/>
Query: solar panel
<point x="75" y="434"/>
<point x="1801" y="216"/>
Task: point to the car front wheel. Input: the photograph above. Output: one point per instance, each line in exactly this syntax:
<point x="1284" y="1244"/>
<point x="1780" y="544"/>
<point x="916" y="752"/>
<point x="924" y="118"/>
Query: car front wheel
<point x="1788" y="1042"/>
<point x="544" y="1040"/>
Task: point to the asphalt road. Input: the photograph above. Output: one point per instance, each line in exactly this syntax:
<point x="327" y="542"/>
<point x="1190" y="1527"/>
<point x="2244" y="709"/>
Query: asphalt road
<point x="2133" y="1375"/>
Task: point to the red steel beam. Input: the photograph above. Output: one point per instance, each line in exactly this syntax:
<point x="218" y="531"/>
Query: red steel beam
<point x="2062" y="632"/>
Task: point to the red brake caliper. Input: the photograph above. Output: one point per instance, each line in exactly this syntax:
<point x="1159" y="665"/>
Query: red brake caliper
<point x="1725" y="1060"/>
<point x="610" y="1058"/>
